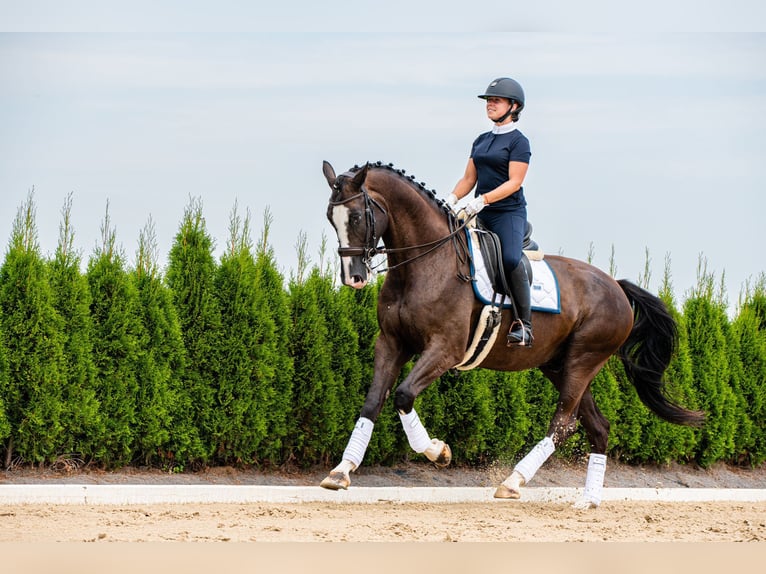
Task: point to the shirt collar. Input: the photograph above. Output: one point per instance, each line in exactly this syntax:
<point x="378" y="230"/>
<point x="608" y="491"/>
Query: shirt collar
<point x="505" y="129"/>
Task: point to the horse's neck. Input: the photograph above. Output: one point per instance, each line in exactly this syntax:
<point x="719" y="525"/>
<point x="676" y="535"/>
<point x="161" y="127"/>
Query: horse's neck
<point x="413" y="221"/>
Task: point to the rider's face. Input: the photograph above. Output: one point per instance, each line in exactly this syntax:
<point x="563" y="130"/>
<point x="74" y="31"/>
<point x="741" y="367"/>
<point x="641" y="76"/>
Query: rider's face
<point x="497" y="107"/>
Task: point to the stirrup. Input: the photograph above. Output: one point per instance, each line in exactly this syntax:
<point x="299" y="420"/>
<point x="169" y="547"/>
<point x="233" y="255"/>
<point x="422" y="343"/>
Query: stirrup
<point x="519" y="335"/>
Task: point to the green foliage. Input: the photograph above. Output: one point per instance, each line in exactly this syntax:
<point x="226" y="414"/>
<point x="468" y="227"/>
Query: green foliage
<point x="247" y="346"/>
<point x="222" y="363"/>
<point x="275" y="310"/>
<point x="32" y="337"/>
<point x="541" y="397"/>
<point x="118" y="336"/>
<point x="664" y="442"/>
<point x="165" y="434"/>
<point x="749" y="330"/>
<point x="317" y="416"/>
<point x="511" y="414"/>
<point x="705" y="317"/>
<point x="190" y="275"/>
<point x="5" y="424"/>
<point x="83" y="426"/>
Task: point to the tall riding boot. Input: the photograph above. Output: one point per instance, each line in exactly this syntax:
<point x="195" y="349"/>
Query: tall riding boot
<point x="521" y="329"/>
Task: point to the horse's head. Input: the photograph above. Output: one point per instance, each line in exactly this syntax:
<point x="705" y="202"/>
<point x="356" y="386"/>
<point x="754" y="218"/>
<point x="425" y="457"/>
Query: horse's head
<point x="351" y="212"/>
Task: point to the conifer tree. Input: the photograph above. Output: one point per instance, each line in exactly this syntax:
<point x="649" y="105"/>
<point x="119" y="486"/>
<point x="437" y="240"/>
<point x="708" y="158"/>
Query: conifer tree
<point x="275" y="303"/>
<point x="705" y="316"/>
<point x="83" y="425"/>
<point x="315" y="399"/>
<point x="511" y="414"/>
<point x="191" y="275"/>
<point x="32" y="336"/>
<point x="743" y="435"/>
<point x="665" y="442"/>
<point x="344" y="359"/>
<point x="165" y="431"/>
<point x="118" y="334"/>
<point x="607" y="395"/>
<point x="541" y="397"/>
<point x="5" y="424"/>
<point x="243" y="397"/>
<point x="749" y="328"/>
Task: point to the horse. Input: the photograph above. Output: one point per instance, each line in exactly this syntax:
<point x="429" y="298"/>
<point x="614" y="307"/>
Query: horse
<point x="427" y="308"/>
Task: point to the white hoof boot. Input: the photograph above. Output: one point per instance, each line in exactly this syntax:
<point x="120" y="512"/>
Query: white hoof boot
<point x="511" y="487"/>
<point x="439" y="453"/>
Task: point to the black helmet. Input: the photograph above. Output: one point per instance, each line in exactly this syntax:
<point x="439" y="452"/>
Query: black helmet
<point x="505" y="88"/>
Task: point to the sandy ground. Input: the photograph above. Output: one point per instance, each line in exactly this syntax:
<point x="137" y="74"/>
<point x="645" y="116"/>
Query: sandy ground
<point x="392" y="522"/>
<point x="497" y="521"/>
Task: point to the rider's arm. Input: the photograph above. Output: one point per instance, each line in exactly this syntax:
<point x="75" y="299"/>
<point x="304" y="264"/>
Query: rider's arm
<point x="517" y="171"/>
<point x="466" y="183"/>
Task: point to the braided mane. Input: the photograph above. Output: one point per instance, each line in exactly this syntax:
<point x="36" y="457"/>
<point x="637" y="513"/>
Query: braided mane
<point x="429" y="194"/>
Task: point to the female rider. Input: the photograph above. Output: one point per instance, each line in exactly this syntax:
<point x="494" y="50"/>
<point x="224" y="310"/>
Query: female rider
<point x="496" y="167"/>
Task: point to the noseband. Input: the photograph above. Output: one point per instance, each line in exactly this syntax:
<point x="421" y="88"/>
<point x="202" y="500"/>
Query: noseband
<point x="370" y="249"/>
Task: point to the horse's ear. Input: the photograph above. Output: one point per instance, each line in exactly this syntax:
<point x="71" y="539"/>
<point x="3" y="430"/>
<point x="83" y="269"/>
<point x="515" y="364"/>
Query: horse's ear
<point x="360" y="176"/>
<point x="329" y="173"/>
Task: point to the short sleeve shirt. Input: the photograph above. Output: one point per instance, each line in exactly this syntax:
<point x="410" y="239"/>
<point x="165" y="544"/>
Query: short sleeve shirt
<point x="491" y="154"/>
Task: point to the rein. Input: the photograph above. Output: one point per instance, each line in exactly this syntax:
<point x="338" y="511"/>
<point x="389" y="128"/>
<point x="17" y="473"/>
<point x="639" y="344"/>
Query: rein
<point x="370" y="250"/>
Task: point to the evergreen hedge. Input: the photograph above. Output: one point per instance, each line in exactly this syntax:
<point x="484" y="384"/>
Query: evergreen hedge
<point x="227" y="362"/>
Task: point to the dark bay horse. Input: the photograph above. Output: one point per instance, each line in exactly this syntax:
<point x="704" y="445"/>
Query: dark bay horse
<point x="427" y="307"/>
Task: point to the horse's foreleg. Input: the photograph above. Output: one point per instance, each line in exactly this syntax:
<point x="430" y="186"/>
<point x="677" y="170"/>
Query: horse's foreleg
<point x="429" y="367"/>
<point x="437" y="451"/>
<point x="388" y="364"/>
<point x="340" y="477"/>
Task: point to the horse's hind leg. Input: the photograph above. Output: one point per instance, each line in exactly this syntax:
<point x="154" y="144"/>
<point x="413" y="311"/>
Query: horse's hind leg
<point x="597" y="428"/>
<point x="571" y="383"/>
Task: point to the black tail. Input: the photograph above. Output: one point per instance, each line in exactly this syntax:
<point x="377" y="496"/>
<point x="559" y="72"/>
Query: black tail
<point x="647" y="353"/>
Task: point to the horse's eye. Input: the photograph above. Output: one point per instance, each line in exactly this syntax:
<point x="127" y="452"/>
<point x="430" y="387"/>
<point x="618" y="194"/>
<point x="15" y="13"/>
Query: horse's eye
<point x="355" y="219"/>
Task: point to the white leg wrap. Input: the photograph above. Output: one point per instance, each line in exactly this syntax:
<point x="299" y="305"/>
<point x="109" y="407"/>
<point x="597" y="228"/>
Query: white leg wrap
<point x="594" y="480"/>
<point x="530" y="464"/>
<point x="357" y="444"/>
<point x="416" y="433"/>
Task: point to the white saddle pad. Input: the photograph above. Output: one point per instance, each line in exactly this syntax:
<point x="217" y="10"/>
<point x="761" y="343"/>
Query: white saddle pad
<point x="544" y="290"/>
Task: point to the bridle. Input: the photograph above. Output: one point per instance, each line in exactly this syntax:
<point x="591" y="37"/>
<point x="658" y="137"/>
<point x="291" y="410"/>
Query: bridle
<point x="370" y="249"/>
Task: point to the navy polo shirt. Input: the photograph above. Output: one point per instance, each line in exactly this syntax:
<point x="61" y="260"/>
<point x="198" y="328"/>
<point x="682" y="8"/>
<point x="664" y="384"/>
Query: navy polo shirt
<point x="491" y="154"/>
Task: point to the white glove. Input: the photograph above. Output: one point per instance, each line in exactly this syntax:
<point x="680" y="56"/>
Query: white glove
<point x="474" y="206"/>
<point x="452" y="200"/>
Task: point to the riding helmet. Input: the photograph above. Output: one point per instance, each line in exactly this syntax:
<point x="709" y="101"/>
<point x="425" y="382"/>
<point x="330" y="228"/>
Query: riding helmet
<point x="505" y="88"/>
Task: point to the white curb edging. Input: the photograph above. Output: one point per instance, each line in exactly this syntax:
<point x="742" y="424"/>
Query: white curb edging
<point x="178" y="494"/>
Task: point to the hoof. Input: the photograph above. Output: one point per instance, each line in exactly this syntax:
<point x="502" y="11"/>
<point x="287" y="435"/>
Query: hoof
<point x="336" y="481"/>
<point x="445" y="457"/>
<point x="584" y="504"/>
<point x="506" y="493"/>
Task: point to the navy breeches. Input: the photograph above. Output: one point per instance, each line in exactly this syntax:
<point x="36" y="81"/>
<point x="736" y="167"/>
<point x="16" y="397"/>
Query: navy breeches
<point x="510" y="227"/>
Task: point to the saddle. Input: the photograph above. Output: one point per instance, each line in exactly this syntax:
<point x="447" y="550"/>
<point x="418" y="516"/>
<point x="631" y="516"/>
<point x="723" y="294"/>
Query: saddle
<point x="491" y="250"/>
<point x="488" y="325"/>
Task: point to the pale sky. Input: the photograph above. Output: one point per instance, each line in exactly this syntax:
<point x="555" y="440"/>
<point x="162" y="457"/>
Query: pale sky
<point x="640" y="140"/>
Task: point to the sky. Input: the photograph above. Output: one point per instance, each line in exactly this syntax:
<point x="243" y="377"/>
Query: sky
<point x="644" y="140"/>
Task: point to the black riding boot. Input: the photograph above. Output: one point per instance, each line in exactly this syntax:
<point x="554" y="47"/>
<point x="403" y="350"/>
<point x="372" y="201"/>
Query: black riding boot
<point x="521" y="330"/>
